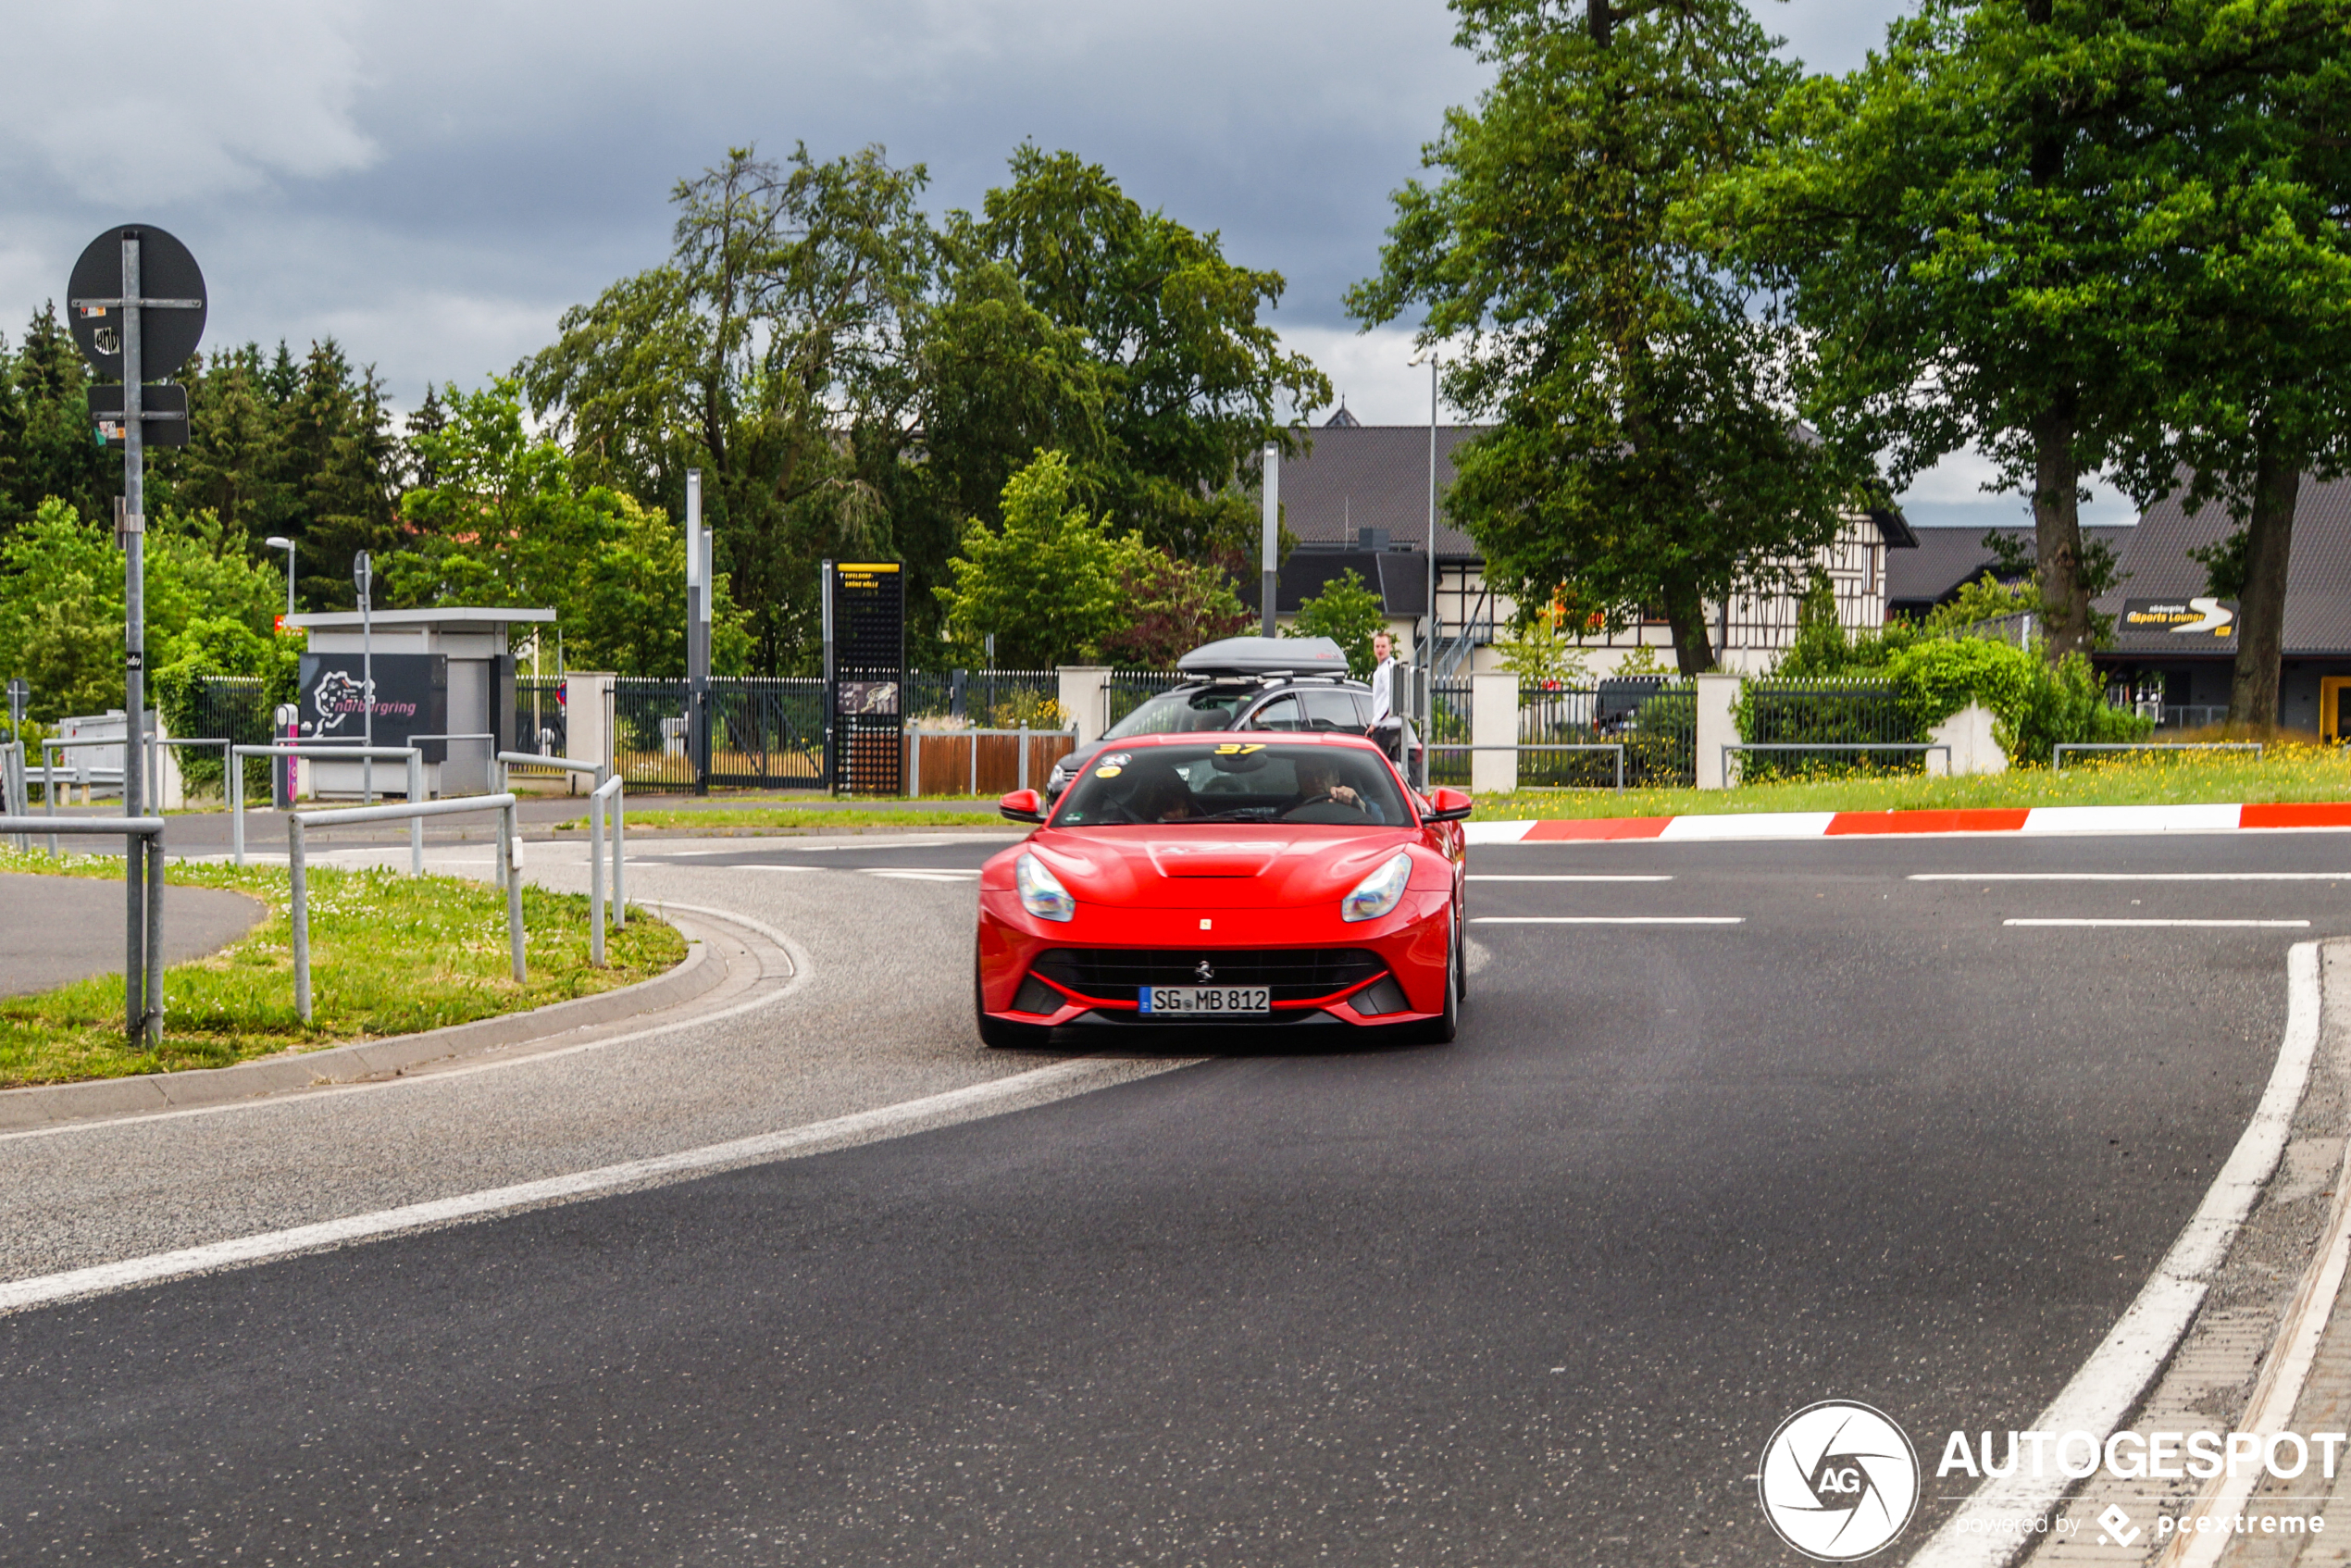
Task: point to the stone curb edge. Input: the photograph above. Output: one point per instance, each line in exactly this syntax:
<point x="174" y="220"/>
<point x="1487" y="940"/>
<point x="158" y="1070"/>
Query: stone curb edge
<point x="43" y="1105"/>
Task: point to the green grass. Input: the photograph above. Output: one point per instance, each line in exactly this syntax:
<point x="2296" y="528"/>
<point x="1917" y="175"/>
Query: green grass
<point x="389" y="954"/>
<point x="2286" y="773"/>
<point x="783" y="819"/>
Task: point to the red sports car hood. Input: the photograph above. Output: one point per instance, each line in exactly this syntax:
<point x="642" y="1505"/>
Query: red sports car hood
<point x="1215" y="867"/>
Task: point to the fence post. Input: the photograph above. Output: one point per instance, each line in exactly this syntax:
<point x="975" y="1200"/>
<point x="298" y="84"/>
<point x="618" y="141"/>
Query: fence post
<point x="417" y="824"/>
<point x="974" y="740"/>
<point x="1717" y="725"/>
<point x="298" y="914"/>
<point x="154" y="936"/>
<point x="1494" y="722"/>
<point x="1085" y="691"/>
<point x="1024" y="755"/>
<point x="48" y="794"/>
<point x="620" y="858"/>
<point x="596" y="878"/>
<point x="511" y="831"/>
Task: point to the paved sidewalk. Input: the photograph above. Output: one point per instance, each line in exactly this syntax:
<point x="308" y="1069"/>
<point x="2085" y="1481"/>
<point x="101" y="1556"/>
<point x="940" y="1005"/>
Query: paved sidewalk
<point x="55" y="929"/>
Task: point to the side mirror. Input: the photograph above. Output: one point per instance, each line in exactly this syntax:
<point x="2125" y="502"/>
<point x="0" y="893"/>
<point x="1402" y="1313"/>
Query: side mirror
<point x="1022" y="805"/>
<point x="1444" y="806"/>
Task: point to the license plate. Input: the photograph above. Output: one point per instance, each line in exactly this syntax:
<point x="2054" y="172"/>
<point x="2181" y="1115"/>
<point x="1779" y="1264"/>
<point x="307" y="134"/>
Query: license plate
<point x="1224" y="1001"/>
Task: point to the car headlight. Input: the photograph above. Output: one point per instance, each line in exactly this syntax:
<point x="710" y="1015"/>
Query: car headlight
<point x="1040" y="894"/>
<point x="1380" y="892"/>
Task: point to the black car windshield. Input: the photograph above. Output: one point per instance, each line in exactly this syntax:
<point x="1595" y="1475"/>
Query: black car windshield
<point x="1233" y="781"/>
<point x="1176" y="713"/>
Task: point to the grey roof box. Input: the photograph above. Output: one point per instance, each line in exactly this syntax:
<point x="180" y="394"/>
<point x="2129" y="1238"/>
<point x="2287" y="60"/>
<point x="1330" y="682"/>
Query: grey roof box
<point x="1265" y="656"/>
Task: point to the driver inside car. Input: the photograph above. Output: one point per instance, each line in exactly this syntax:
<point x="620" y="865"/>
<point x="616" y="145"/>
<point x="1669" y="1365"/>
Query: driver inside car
<point x="1162" y="797"/>
<point x="1317" y="782"/>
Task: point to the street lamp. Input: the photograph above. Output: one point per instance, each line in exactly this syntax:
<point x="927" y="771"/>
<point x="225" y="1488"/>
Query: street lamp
<point x="277" y="541"/>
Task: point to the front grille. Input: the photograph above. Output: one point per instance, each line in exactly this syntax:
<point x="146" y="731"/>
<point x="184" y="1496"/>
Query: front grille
<point x="1298" y="974"/>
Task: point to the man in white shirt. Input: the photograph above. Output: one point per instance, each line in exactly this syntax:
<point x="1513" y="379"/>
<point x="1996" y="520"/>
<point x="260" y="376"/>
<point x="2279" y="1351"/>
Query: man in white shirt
<point x="1383" y="676"/>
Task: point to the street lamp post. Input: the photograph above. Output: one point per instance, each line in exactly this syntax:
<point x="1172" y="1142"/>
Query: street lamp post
<point x="278" y="541"/>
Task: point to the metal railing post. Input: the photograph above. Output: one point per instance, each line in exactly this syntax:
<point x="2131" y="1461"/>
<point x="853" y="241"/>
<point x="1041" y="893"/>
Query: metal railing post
<point x="619" y="856"/>
<point x="236" y="786"/>
<point x="511" y="819"/>
<point x="154" y="938"/>
<point x="1023" y="757"/>
<point x="596" y="878"/>
<point x="48" y="794"/>
<point x="298" y="912"/>
<point x="416" y="824"/>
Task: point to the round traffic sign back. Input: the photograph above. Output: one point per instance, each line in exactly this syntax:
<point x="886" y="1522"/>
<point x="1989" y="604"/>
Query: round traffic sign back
<point x="167" y="337"/>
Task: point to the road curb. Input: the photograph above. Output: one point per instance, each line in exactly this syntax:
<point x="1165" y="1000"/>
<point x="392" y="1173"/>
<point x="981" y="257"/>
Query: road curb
<point x="51" y="1104"/>
<point x="1719" y="826"/>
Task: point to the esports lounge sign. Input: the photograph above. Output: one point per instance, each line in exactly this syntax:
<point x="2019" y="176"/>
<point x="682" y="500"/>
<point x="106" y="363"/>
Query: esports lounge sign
<point x="2195" y="623"/>
<point x="412" y="698"/>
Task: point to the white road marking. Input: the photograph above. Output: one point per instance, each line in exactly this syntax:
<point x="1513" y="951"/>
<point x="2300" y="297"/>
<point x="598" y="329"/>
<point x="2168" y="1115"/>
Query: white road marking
<point x="2129" y="876"/>
<point x="1607" y="919"/>
<point x="2119" y="1371"/>
<point x="802" y="967"/>
<point x="19" y="1294"/>
<point x="2237" y="925"/>
<point x="1515" y="876"/>
<point x="912" y="875"/>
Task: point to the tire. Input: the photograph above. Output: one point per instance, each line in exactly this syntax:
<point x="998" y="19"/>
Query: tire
<point x="1445" y="1026"/>
<point x="997" y="1033"/>
<point x="1460" y="958"/>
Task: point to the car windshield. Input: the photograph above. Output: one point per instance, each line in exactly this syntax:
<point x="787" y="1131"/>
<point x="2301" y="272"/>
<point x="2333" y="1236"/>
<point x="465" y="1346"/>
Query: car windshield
<point x="1176" y="713"/>
<point x="1233" y="781"/>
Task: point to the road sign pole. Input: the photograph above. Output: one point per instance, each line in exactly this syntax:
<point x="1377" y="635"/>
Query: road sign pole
<point x="140" y="1019"/>
<point x="1269" y="575"/>
<point x="698" y="592"/>
<point x="363" y="578"/>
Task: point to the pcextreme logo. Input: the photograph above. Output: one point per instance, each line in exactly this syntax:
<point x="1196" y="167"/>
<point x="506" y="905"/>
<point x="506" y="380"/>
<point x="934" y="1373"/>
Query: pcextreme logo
<point x="1838" y="1480"/>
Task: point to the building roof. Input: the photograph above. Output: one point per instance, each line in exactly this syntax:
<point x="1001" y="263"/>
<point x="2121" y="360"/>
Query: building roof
<point x="1354" y="477"/>
<point x="2317" y="585"/>
<point x="1947" y="559"/>
<point x="454" y="619"/>
<point x="1398" y="577"/>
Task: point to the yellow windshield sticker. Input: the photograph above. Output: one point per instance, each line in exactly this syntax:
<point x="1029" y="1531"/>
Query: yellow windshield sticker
<point x="1232" y="751"/>
<point x="1107" y="772"/>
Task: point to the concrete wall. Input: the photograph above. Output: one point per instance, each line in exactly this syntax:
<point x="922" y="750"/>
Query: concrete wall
<point x="1717" y="725"/>
<point x="1081" y="699"/>
<point x="587" y="716"/>
<point x="1493" y="722"/>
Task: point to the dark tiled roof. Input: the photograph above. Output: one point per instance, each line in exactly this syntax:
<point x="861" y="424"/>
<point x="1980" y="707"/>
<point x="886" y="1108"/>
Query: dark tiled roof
<point x="1400" y="577"/>
<point x="1947" y="558"/>
<point x="2317" y="585"/>
<point x="1354" y="477"/>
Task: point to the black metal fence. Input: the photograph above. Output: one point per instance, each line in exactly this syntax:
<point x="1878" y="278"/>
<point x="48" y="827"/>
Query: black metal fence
<point x="539" y="719"/>
<point x="1127" y="689"/>
<point x="1826" y="714"/>
<point x="233" y="707"/>
<point x="986" y="699"/>
<point x="763" y="733"/>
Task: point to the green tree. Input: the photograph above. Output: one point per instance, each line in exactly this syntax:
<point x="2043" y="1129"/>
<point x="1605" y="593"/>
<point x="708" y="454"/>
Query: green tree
<point x="1073" y="318"/>
<point x="47" y="445"/>
<point x="772" y="353"/>
<point x="1967" y="226"/>
<point x="1170" y="607"/>
<point x="1348" y="614"/>
<point x="2254" y="263"/>
<point x="1048" y="585"/>
<point x="1643" y="452"/>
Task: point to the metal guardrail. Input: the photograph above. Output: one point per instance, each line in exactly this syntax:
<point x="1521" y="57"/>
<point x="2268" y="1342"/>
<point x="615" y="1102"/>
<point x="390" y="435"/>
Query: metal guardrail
<point x="1615" y="746"/>
<point x="297" y="869"/>
<point x="2057" y="753"/>
<point x="605" y="776"/>
<point x="416" y="760"/>
<point x="612" y="787"/>
<point x="1835" y="746"/>
<point x="15" y="793"/>
<point x="142" y="981"/>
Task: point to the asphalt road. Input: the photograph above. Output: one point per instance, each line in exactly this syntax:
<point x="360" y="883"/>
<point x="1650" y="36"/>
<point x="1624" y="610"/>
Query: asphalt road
<point x="1538" y="1297"/>
<point x="55" y="929"/>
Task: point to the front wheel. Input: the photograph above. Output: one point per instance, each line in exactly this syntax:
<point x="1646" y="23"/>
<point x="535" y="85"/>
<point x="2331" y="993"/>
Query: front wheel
<point x="1446" y="1025"/>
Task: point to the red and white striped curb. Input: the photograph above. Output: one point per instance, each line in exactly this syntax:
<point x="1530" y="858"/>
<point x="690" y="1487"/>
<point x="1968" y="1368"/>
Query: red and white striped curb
<point x="1850" y="824"/>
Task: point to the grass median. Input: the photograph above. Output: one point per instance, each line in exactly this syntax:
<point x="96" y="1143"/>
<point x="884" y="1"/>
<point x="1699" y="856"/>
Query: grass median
<point x="2287" y="772"/>
<point x="389" y="954"/>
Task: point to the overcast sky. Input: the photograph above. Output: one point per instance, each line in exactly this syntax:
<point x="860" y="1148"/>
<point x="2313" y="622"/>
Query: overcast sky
<point x="433" y="183"/>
